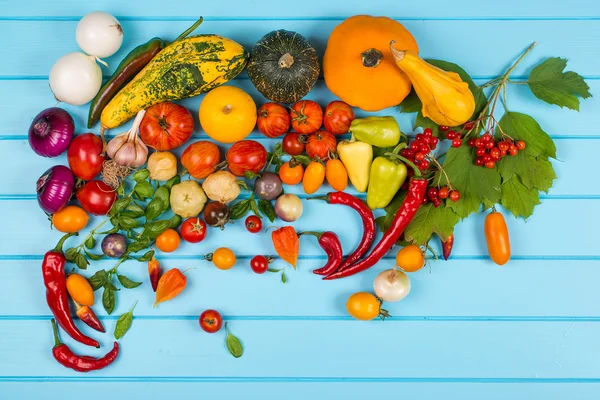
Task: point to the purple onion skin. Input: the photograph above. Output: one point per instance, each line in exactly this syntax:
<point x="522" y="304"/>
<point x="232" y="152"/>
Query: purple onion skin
<point x="54" y="188"/>
<point x="51" y="132"/>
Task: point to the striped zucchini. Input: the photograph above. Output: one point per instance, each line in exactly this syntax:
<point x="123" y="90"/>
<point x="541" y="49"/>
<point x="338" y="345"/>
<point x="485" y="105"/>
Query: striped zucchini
<point x="185" y="68"/>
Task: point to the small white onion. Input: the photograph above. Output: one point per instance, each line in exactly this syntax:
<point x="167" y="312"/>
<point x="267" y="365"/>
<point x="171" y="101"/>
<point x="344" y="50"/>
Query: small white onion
<point x="288" y="207"/>
<point x="391" y="285"/>
<point x="99" y="34"/>
<point x="75" y="78"/>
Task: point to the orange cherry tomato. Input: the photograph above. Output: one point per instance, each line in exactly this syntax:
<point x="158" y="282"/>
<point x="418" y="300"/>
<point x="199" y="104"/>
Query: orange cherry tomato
<point x="363" y="306"/>
<point x="410" y="258"/>
<point x="291" y="173"/>
<point x="70" y="219"/>
<point x="80" y="290"/>
<point x="496" y="236"/>
<point x="313" y="177"/>
<point x="168" y="241"/>
<point x="223" y="258"/>
<point x="336" y="174"/>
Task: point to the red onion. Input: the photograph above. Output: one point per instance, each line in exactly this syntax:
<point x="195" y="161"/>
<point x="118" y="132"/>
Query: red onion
<point x="51" y="132"/>
<point x="54" y="188"/>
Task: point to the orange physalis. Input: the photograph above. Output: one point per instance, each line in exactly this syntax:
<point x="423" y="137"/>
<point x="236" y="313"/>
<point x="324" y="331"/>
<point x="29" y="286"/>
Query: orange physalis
<point x="286" y="243"/>
<point x="170" y="285"/>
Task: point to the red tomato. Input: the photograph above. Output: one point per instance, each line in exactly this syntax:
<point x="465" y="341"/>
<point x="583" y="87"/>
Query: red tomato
<point x="273" y="120"/>
<point x="211" y="321"/>
<point x="200" y="159"/>
<point x="338" y="117"/>
<point x="253" y="224"/>
<point x="96" y="197"/>
<point x="293" y="144"/>
<point x="166" y="126"/>
<point x="246" y="155"/>
<point x="85" y="156"/>
<point x="259" y="264"/>
<point x="307" y="116"/>
<point x="320" y="144"/>
<point x="193" y="230"/>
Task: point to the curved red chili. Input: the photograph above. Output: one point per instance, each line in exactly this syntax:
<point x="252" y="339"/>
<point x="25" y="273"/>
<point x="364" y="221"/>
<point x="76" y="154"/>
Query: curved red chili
<point x="405" y="214"/>
<point x="330" y="242"/>
<point x="53" y="269"/>
<point x="368" y="221"/>
<point x="447" y="246"/>
<point x="67" y="358"/>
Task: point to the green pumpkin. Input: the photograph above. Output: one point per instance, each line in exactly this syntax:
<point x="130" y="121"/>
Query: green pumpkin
<point x="283" y="66"/>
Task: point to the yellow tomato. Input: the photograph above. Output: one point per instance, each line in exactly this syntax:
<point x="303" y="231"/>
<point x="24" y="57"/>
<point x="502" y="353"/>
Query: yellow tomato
<point x="80" y="290"/>
<point x="410" y="258"/>
<point x="223" y="258"/>
<point x="70" y="219"/>
<point x="227" y="114"/>
<point x="168" y="241"/>
<point x="363" y="306"/>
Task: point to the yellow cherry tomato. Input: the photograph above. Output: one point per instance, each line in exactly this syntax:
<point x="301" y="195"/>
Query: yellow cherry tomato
<point x="80" y="290"/>
<point x="363" y="306"/>
<point x="223" y="258"/>
<point x="168" y="241"/>
<point x="70" y="219"/>
<point x="410" y="258"/>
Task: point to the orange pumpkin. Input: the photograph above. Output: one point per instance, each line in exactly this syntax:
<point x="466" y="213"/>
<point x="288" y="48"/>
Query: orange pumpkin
<point x="358" y="65"/>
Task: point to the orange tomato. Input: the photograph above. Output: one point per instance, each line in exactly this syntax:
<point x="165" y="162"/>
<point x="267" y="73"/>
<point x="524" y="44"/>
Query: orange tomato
<point x="336" y="174"/>
<point x="363" y="306"/>
<point x="313" y="177"/>
<point x="223" y="258"/>
<point x="80" y="290"/>
<point x="410" y="258"/>
<point x="291" y="175"/>
<point x="168" y="241"/>
<point x="70" y="219"/>
<point x="496" y="236"/>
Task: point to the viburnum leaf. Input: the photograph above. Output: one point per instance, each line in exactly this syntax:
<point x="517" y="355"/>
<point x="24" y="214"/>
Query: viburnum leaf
<point x="519" y="200"/>
<point x="411" y="103"/>
<point x="523" y="127"/>
<point x="535" y="173"/>
<point x="424" y="122"/>
<point x="385" y="221"/>
<point x="475" y="184"/>
<point x="549" y="83"/>
<point x="430" y="220"/>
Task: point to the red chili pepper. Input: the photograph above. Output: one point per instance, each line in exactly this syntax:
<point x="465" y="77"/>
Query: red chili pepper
<point x="447" y="246"/>
<point x="67" y="358"/>
<point x="405" y="214"/>
<point x="87" y="315"/>
<point x="330" y="242"/>
<point x="154" y="272"/>
<point x="53" y="269"/>
<point x="368" y="221"/>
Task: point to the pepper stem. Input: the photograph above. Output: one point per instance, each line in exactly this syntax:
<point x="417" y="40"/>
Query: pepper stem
<point x="406" y="161"/>
<point x="62" y="240"/>
<point x="313" y="233"/>
<point x="325" y="198"/>
<point x="57" y="341"/>
<point x="190" y="29"/>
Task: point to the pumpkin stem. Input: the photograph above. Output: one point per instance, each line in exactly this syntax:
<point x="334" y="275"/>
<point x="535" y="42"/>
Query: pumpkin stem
<point x="398" y="54"/>
<point x="286" y="61"/>
<point x="227" y="109"/>
<point x="371" y="57"/>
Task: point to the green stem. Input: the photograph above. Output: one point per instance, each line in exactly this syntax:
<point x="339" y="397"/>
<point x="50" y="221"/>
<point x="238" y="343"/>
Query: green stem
<point x="516" y="83"/>
<point x="316" y="234"/>
<point x="406" y="161"/>
<point x="92" y="232"/>
<point x="190" y="29"/>
<point x="62" y="240"/>
<point x="57" y="341"/>
<point x="325" y="198"/>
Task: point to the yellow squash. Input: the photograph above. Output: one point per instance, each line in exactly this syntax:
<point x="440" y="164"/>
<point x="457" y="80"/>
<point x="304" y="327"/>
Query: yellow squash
<point x="185" y="68"/>
<point x="447" y="100"/>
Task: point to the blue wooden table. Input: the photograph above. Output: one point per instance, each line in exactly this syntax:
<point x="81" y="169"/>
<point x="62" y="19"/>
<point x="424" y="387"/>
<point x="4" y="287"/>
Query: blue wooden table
<point x="468" y="330"/>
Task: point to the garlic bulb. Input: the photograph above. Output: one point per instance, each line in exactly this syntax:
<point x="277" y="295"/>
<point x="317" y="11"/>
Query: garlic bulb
<point x="127" y="148"/>
<point x="162" y="165"/>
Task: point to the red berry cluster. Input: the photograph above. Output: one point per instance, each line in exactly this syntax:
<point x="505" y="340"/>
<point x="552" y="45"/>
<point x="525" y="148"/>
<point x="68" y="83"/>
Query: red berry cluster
<point x="436" y="195"/>
<point x="489" y="151"/>
<point x="420" y="148"/>
<point x="452" y="135"/>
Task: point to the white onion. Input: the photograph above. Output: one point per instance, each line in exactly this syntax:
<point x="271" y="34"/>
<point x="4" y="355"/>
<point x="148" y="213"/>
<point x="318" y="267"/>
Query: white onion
<point x="75" y="78"/>
<point x="99" y="34"/>
<point x="288" y="207"/>
<point x="391" y="285"/>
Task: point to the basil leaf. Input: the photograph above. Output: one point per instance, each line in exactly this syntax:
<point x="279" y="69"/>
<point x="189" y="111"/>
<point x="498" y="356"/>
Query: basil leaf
<point x="174" y="221"/>
<point x="154" y="208"/>
<point x="99" y="279"/>
<point x="278" y="150"/>
<point x="71" y="254"/>
<point x="127" y="283"/>
<point x="239" y="209"/>
<point x="144" y="189"/>
<point x="274" y="270"/>
<point x="154" y="229"/>
<point x="114" y="229"/>
<point x="233" y="344"/>
<point x="90" y="242"/>
<point x="134" y="210"/>
<point x="267" y="209"/>
<point x="124" y="322"/>
<point x="283" y="277"/>
<point x="251" y="175"/>
<point x="81" y="261"/>
<point x="138" y="244"/>
<point x="254" y="207"/>
<point x="173" y="181"/>
<point x="147" y="256"/>
<point x="128" y="222"/>
<point x="141" y="175"/>
<point x="109" y="285"/>
<point x="108" y="300"/>
<point x="121" y="189"/>
<point x="162" y="194"/>
<point x="120" y="205"/>
<point x="241" y="183"/>
<point x="302" y="159"/>
<point x="94" y="257"/>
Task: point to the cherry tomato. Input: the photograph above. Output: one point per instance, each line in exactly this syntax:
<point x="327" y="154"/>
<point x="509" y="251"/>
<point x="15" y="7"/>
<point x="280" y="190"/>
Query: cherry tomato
<point x="200" y="159"/>
<point x="246" y="155"/>
<point x="96" y="197"/>
<point x="70" y="219"/>
<point x="363" y="306"/>
<point x="320" y="145"/>
<point x="307" y="116"/>
<point x="193" y="230"/>
<point x="291" y="175"/>
<point x="211" y="321"/>
<point x="293" y="144"/>
<point x="223" y="258"/>
<point x="85" y="156"/>
<point x="166" y="126"/>
<point x="216" y="214"/>
<point x="338" y="117"/>
<point x="259" y="264"/>
<point x="410" y="258"/>
<point x="496" y="236"/>
<point x="273" y="120"/>
<point x="313" y="177"/>
<point x="168" y="241"/>
<point x="336" y="174"/>
<point x="253" y="224"/>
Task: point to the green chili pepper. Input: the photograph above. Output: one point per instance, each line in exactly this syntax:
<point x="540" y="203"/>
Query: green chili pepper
<point x="377" y="131"/>
<point x="386" y="177"/>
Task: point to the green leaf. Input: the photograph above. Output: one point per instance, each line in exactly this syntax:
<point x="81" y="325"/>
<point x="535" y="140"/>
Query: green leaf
<point x="144" y="189"/>
<point x="283" y="277"/>
<point x="303" y="159"/>
<point x="385" y="221"/>
<point x="519" y="200"/>
<point x="233" y="344"/>
<point x="147" y="256"/>
<point x="549" y="83"/>
<point x="424" y="122"/>
<point x="172" y="182"/>
<point x="274" y="270"/>
<point x="124" y="323"/>
<point x="475" y="184"/>
<point x="141" y="175"/>
<point x="523" y="127"/>
<point x="120" y="205"/>
<point x="534" y="173"/>
<point x="162" y="193"/>
<point x="108" y="300"/>
<point x="114" y="229"/>
<point x="239" y="209"/>
<point x="93" y="256"/>
<point x="127" y="283"/>
<point x="251" y="175"/>
<point x="411" y="103"/>
<point x="128" y="222"/>
<point x="267" y="209"/>
<point x="241" y="183"/>
<point x="139" y="244"/>
<point x="71" y="254"/>
<point x="121" y="189"/>
<point x="153" y="229"/>
<point x="81" y="261"/>
<point x="134" y="210"/>
<point x="254" y="207"/>
<point x="99" y="279"/>
<point x="90" y="242"/>
<point x="430" y="220"/>
<point x="155" y="207"/>
<point x="109" y="285"/>
<point x="174" y="221"/>
<point x="278" y="149"/>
